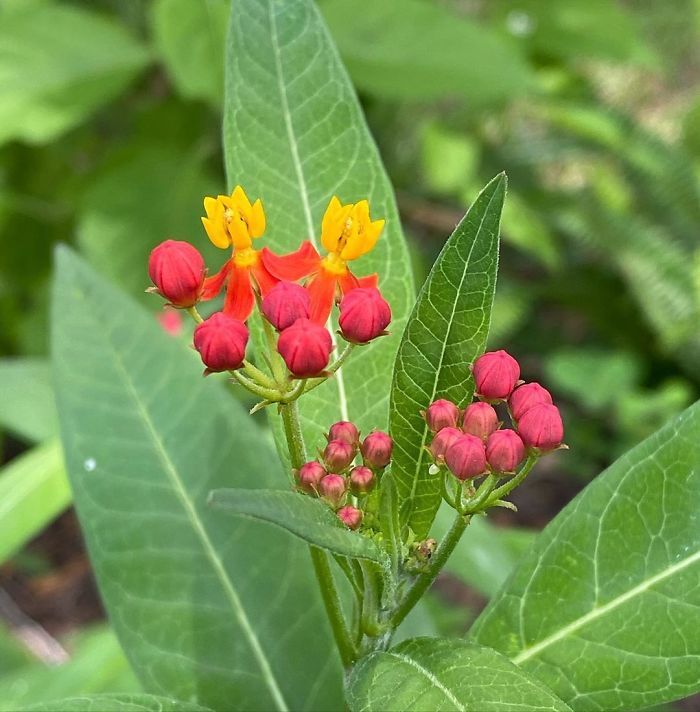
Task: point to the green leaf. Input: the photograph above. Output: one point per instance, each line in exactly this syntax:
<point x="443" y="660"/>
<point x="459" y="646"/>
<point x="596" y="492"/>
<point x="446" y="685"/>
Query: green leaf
<point x="309" y="519"/>
<point x="441" y="674"/>
<point x="28" y="408"/>
<point x="34" y="490"/>
<point x="117" y="703"/>
<point x="410" y="49"/>
<point x="605" y="609"/>
<point x="390" y="522"/>
<point x="445" y="332"/>
<point x="190" y="36"/>
<point x="58" y="65"/>
<point x="294" y="136"/>
<point x="201" y="604"/>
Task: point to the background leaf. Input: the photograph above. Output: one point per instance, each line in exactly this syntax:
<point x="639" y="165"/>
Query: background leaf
<point x="440" y="674"/>
<point x="447" y="329"/>
<point x="117" y="703"/>
<point x="605" y="609"/>
<point x="294" y="135"/>
<point x="146" y="438"/>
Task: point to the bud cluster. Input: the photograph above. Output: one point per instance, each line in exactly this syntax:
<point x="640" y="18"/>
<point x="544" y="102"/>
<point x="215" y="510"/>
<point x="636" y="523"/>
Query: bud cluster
<point x="472" y="443"/>
<point x="335" y="476"/>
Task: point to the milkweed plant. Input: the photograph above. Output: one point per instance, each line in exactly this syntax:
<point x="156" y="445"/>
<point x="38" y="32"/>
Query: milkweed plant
<point x="238" y="578"/>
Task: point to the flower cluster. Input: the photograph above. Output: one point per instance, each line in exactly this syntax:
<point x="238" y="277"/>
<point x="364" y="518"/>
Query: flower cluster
<point x="296" y="292"/>
<point x="337" y="479"/>
<point x="473" y="443"/>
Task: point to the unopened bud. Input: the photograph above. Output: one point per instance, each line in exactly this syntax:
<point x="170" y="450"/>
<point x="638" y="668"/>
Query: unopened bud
<point x="504" y="451"/>
<point x="541" y="427"/>
<point x="425" y="549"/>
<point x="332" y="489"/>
<point x="310" y="475"/>
<point x="466" y="457"/>
<point x="350" y="516"/>
<point x="362" y="480"/>
<point x="285" y="303"/>
<point x="338" y="455"/>
<point x="442" y="441"/>
<point x="346" y="431"/>
<point x="495" y="375"/>
<point x="364" y="315"/>
<point x="527" y="396"/>
<point x="442" y="414"/>
<point x="305" y="347"/>
<point x="177" y="269"/>
<point x="480" y="419"/>
<point x="376" y="449"/>
<point x="221" y="341"/>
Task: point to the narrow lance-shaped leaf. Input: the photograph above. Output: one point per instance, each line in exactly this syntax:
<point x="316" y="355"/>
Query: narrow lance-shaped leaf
<point x="439" y="674"/>
<point x="146" y="439"/>
<point x="294" y="135"/>
<point x="306" y="518"/>
<point x="605" y="608"/>
<point x="445" y="332"/>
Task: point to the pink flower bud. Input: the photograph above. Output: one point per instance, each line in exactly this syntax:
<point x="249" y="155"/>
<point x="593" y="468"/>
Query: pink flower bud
<point x="504" y="451"/>
<point x="171" y="321"/>
<point x="177" y="269"/>
<point x="310" y="475"/>
<point x="480" y="419"/>
<point x="338" y="455"/>
<point x="442" y="441"/>
<point x="350" y="516"/>
<point x="285" y="303"/>
<point x="376" y="449"/>
<point x="466" y="457"/>
<point x="332" y="489"/>
<point x="221" y="341"/>
<point x="541" y="427"/>
<point x="346" y="431"/>
<point x="525" y="397"/>
<point x="364" y="315"/>
<point x="305" y="348"/>
<point x="362" y="480"/>
<point x="441" y="414"/>
<point x="495" y="375"/>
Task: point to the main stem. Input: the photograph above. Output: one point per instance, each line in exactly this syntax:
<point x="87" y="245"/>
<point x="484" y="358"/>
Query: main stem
<point x="320" y="559"/>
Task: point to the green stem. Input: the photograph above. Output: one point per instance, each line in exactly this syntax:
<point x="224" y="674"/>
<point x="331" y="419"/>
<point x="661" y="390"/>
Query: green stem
<point x="316" y="382"/>
<point x="260" y="391"/>
<point x="509" y="486"/>
<point x="194" y="313"/>
<point x="474" y="505"/>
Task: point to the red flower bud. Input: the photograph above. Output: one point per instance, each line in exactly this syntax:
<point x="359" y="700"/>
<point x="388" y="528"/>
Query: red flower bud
<point x="285" y="303"/>
<point x="310" y="475"/>
<point x="364" y="315"/>
<point x="350" y="516"/>
<point x="504" y="451"/>
<point x="362" y="480"/>
<point x="344" y="430"/>
<point x="480" y="419"/>
<point x="305" y="348"/>
<point x="540" y="427"/>
<point x="221" y="341"/>
<point x="441" y="414"/>
<point x="376" y="449"/>
<point x="177" y="269"/>
<point x="332" y="489"/>
<point x="495" y="375"/>
<point x="466" y="457"/>
<point x="338" y="455"/>
<point x="525" y="397"/>
<point x="442" y="441"/>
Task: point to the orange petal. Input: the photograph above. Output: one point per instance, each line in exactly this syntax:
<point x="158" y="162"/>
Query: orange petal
<point x="264" y="279"/>
<point x="322" y="293"/>
<point x="240" y="298"/>
<point x="292" y="266"/>
<point x="371" y="280"/>
<point x="348" y="282"/>
<point x="213" y="284"/>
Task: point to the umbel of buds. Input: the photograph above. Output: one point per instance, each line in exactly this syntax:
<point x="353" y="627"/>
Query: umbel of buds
<point x="285" y="303"/>
<point x="541" y="427"/>
<point x="480" y="419"/>
<point x="527" y="396"/>
<point x="495" y="375"/>
<point x="466" y="457"/>
<point x="177" y="269"/>
<point x="504" y="451"/>
<point x="338" y="455"/>
<point x="221" y="341"/>
<point x="376" y="450"/>
<point x="364" y="315"/>
<point x="346" y="431"/>
<point x="442" y="414"/>
<point x="305" y="347"/>
<point x="442" y="441"/>
<point x="310" y="475"/>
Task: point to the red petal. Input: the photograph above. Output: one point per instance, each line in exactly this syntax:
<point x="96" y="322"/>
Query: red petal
<point x="213" y="284"/>
<point x="322" y="293"/>
<point x="348" y="282"/>
<point x="240" y="298"/>
<point x="292" y="266"/>
<point x="264" y="279"/>
<point x="371" y="280"/>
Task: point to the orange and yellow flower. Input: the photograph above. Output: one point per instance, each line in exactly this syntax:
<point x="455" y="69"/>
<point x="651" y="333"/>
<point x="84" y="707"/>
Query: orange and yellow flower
<point x="347" y="232"/>
<point x="232" y="221"/>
